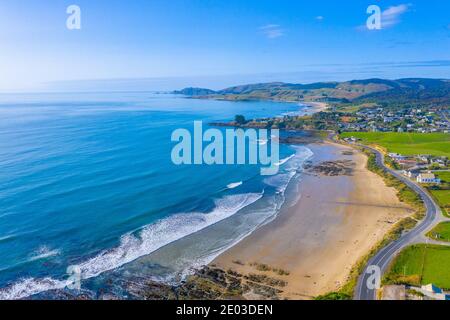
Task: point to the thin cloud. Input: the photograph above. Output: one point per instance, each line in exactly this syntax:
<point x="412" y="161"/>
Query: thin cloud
<point x="391" y="16"/>
<point x="395" y="43"/>
<point x="319" y="18"/>
<point x="272" y="31"/>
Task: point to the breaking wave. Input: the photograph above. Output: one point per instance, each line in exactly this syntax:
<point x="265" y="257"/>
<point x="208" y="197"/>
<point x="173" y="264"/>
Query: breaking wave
<point x="234" y="185"/>
<point x="135" y="245"/>
<point x="43" y="253"/>
<point x="30" y="286"/>
<point x="283" y="161"/>
<point x="293" y="164"/>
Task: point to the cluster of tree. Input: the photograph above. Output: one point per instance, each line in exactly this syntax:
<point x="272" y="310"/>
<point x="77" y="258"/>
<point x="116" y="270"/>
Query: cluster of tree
<point x="240" y="119"/>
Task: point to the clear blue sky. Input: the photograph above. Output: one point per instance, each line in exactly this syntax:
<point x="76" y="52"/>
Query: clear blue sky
<point x="220" y="42"/>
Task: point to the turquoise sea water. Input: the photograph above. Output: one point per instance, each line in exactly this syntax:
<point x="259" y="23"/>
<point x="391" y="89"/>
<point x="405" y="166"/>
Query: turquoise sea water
<point x="86" y="179"/>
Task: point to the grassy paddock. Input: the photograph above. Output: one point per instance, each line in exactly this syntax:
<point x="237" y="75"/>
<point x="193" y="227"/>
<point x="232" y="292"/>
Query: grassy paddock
<point x="442" y="193"/>
<point x="444" y="175"/>
<point x="436" y="144"/>
<point x="441" y="232"/>
<point x="443" y="199"/>
<point x="419" y="265"/>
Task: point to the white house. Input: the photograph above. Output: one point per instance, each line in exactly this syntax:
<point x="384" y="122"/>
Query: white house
<point x="396" y="156"/>
<point x="410" y="173"/>
<point x="428" y="178"/>
<point x="423" y="158"/>
<point x="434" y="292"/>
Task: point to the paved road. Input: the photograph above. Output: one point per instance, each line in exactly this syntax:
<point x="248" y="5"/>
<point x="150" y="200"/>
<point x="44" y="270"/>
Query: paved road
<point x="384" y="257"/>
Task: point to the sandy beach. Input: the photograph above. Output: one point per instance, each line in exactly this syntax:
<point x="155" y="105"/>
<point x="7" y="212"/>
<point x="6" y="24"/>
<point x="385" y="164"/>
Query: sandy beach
<point x="316" y="106"/>
<point x="318" y="240"/>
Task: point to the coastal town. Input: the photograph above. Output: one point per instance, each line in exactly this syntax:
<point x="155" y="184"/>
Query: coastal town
<point x="341" y="119"/>
<point x="378" y="119"/>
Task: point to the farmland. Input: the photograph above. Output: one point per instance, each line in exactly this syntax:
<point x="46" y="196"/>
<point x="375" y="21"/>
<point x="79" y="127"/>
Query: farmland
<point x="442" y="193"/>
<point x="441" y="232"/>
<point x="421" y="264"/>
<point x="435" y="144"/>
<point x="443" y="199"/>
<point x="444" y="176"/>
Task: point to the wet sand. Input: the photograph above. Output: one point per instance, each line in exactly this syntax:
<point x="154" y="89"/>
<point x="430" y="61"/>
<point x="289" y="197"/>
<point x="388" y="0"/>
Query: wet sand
<point x="336" y="222"/>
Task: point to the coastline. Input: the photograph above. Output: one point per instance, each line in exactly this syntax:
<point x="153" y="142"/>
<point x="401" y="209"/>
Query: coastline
<point x="313" y="106"/>
<point x="53" y="286"/>
<point x="316" y="106"/>
<point x="317" y="241"/>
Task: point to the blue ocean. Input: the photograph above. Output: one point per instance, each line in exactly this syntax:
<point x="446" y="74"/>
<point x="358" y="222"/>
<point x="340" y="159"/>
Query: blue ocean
<point x="86" y="179"/>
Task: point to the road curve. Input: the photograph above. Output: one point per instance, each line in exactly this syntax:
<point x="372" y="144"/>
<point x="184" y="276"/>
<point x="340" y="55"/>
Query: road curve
<point x="383" y="258"/>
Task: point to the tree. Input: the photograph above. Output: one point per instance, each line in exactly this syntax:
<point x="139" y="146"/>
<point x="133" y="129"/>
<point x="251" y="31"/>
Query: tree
<point x="434" y="166"/>
<point x="240" y="119"/>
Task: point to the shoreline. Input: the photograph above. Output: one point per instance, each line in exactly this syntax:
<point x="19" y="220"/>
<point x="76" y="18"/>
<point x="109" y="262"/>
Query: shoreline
<point x="317" y="241"/>
<point x="307" y="250"/>
<point x="142" y="258"/>
<point x="316" y="106"/>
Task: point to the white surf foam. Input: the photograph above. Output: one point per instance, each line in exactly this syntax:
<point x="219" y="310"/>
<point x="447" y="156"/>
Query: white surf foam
<point x="6" y="238"/>
<point x="163" y="232"/>
<point x="30" y="286"/>
<point x="280" y="181"/>
<point x="235" y="185"/>
<point x="262" y="215"/>
<point x="44" y="252"/>
<point x="293" y="164"/>
<point x="132" y="247"/>
<point x="283" y="161"/>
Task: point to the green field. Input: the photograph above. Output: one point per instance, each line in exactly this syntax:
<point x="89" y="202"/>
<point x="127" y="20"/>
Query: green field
<point x="442" y="194"/>
<point x="444" y="176"/>
<point x="443" y="199"/>
<point x="436" y="144"/>
<point x="421" y="264"/>
<point x="441" y="232"/>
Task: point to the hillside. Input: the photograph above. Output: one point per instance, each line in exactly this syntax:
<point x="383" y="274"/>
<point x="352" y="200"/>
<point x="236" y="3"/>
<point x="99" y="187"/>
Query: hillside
<point x="414" y="91"/>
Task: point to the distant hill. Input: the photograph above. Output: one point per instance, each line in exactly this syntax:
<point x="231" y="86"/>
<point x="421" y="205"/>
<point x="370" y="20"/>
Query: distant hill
<point x="413" y="90"/>
<point x="195" y="92"/>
